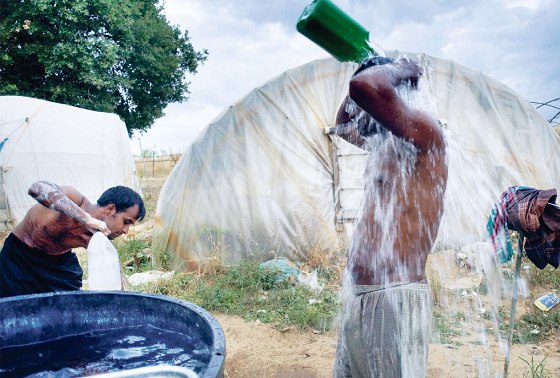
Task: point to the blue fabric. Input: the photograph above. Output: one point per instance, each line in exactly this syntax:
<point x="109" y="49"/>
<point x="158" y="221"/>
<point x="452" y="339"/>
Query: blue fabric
<point x="2" y="143"/>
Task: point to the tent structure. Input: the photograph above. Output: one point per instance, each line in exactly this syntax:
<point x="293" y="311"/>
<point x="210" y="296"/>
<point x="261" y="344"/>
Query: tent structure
<point x="263" y="179"/>
<point x="42" y="140"/>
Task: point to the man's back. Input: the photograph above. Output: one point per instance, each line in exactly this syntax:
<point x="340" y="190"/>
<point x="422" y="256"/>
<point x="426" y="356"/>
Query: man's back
<point x="385" y="326"/>
<point x="51" y="231"/>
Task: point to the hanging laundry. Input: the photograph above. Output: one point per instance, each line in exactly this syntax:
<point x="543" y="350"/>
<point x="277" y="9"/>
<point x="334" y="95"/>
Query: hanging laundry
<point x="535" y="213"/>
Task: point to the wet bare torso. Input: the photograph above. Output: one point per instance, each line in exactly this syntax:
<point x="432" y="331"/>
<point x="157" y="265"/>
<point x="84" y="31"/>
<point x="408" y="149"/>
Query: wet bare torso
<point x="394" y="251"/>
<point x="51" y="231"/>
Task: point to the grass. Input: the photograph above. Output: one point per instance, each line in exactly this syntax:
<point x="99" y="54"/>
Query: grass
<point x="536" y="370"/>
<point x="252" y="293"/>
<point x="538" y="325"/>
<point x="152" y="171"/>
<point x="155" y="166"/>
<point x="548" y="277"/>
<point x="546" y="323"/>
<point x="133" y="255"/>
<point x="446" y="325"/>
<point x="247" y="291"/>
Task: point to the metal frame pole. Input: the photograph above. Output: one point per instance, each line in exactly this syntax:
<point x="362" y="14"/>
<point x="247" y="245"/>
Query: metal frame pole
<point x="513" y="301"/>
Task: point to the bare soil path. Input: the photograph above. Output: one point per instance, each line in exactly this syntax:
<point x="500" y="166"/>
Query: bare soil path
<point x="259" y="350"/>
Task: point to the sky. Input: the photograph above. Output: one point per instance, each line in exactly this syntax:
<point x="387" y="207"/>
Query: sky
<point x="250" y="42"/>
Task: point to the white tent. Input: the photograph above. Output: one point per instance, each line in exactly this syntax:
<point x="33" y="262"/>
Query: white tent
<point x="42" y="140"/>
<point x="263" y="180"/>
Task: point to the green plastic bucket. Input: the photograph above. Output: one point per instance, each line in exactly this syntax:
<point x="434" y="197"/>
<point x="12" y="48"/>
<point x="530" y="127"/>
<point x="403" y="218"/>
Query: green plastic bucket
<point x="329" y="27"/>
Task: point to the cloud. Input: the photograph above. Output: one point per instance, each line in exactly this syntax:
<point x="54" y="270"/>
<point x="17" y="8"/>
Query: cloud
<point x="251" y="42"/>
<point x="244" y="53"/>
<point x="517" y="45"/>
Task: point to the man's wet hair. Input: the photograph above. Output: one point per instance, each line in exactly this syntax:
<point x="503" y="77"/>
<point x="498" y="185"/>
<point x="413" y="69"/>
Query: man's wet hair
<point x="123" y="198"/>
<point x="375" y="60"/>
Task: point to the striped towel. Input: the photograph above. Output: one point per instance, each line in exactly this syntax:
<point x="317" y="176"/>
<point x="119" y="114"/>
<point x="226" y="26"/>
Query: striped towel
<point x="497" y="225"/>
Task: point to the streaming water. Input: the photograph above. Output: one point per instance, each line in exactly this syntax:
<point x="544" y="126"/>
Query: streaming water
<point x="469" y="310"/>
<point x="395" y="224"/>
<point x="103" y="352"/>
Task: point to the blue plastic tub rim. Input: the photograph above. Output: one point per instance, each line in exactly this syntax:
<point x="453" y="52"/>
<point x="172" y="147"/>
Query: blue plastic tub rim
<point x="215" y="365"/>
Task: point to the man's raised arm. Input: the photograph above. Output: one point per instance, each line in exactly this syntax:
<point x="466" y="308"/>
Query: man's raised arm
<point x="67" y="202"/>
<point x="374" y="91"/>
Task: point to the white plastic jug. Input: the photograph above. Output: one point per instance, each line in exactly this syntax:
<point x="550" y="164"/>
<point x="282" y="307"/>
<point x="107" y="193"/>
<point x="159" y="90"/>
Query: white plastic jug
<point x="104" y="271"/>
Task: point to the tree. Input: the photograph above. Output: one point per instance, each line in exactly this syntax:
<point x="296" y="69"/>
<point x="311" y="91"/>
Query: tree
<point x="119" y="56"/>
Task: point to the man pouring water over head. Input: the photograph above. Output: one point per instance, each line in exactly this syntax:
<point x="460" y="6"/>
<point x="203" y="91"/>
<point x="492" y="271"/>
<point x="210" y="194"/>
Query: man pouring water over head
<point x="386" y="322"/>
<point x="37" y="256"/>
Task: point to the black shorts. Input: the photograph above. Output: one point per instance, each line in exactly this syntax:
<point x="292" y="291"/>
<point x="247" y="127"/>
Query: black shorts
<point x="25" y="270"/>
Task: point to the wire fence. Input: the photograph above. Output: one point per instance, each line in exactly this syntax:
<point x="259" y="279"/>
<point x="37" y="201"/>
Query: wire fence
<point x="155" y="165"/>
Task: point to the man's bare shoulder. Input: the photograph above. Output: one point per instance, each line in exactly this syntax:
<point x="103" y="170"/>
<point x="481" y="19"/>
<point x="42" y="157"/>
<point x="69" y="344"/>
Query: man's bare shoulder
<point x="37" y="219"/>
<point x="39" y="214"/>
<point x="74" y="195"/>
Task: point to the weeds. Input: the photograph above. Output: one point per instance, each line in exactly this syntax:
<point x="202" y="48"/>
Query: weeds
<point x="252" y="293"/>
<point x="133" y="255"/>
<point x="535" y="371"/>
<point x="326" y="268"/>
<point x="445" y="325"/>
<point x="536" y="326"/>
<point x="548" y="277"/>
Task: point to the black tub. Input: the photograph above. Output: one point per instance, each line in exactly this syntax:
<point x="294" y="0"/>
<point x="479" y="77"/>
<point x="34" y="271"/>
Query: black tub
<point x="38" y="318"/>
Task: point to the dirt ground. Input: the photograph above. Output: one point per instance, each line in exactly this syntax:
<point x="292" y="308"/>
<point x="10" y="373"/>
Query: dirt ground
<point x="259" y="350"/>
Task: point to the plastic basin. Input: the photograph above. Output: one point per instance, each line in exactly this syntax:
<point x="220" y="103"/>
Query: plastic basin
<point x="39" y="318"/>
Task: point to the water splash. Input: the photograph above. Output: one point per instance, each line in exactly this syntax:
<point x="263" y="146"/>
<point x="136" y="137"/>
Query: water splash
<point x="468" y="292"/>
<point x="393" y="203"/>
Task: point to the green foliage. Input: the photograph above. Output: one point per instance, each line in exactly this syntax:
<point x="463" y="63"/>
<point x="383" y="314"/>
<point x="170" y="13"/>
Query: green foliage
<point x="546" y="323"/>
<point x="546" y="277"/>
<point x="532" y="327"/>
<point x="446" y="325"/>
<point x="119" y="56"/>
<point x="133" y="249"/>
<point x="250" y="292"/>
<point x="535" y="370"/>
<point x="483" y="287"/>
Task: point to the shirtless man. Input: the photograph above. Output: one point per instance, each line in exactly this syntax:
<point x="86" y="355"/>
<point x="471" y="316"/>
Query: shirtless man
<point x="386" y="321"/>
<point x="37" y="256"/>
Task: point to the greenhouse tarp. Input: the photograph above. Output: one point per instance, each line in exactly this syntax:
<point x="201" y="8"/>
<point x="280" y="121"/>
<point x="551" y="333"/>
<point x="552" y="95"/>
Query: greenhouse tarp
<point x="263" y="179"/>
<point x="43" y="140"/>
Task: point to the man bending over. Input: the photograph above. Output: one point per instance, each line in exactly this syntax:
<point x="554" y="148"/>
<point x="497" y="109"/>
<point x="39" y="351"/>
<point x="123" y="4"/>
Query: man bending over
<point x="37" y="256"/>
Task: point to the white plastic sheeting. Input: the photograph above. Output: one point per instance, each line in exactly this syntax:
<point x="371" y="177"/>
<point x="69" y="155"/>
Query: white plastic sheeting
<point x="263" y="180"/>
<point x="259" y="178"/>
<point x="66" y="145"/>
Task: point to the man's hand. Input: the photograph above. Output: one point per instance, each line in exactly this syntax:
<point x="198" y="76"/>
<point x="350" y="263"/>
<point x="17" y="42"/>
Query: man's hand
<point x="373" y="61"/>
<point x="95" y="225"/>
<point x="410" y="70"/>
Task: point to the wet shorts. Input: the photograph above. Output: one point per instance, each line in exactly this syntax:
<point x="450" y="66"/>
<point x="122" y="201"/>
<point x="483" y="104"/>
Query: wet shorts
<point x="385" y="332"/>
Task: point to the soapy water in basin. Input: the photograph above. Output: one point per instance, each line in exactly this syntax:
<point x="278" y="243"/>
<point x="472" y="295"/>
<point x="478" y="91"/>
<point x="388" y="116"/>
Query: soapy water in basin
<point x="104" y="351"/>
